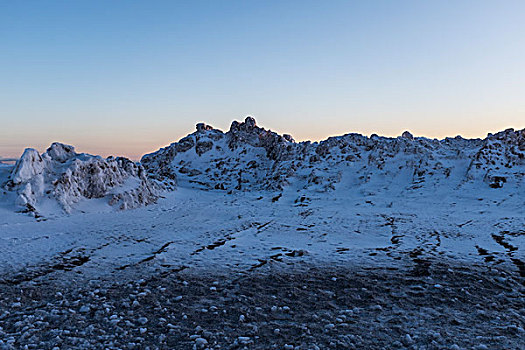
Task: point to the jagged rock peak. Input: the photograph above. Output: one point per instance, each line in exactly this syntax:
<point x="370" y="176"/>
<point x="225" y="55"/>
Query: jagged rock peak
<point x="61" y="152"/>
<point x="250" y="122"/>
<point x="248" y="125"/>
<point x="29" y="165"/>
<point x="288" y="138"/>
<point x="407" y="135"/>
<point x="201" y="127"/>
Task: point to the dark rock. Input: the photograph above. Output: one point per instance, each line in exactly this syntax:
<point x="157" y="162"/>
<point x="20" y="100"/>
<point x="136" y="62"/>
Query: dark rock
<point x="407" y="135"/>
<point x="185" y="144"/>
<point x="201" y="127"/>
<point x="203" y="147"/>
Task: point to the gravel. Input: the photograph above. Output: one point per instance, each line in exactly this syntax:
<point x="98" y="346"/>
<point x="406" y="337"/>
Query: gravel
<point x="454" y="307"/>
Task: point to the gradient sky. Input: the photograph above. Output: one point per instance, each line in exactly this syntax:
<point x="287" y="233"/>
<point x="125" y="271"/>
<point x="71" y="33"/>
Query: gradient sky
<point x="126" y="77"/>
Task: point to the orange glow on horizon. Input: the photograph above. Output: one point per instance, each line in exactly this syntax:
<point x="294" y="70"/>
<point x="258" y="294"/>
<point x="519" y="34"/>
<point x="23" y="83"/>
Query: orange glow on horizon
<point x="134" y="145"/>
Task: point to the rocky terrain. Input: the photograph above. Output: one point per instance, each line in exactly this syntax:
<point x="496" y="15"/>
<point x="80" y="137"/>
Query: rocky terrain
<point x="246" y="239"/>
<point x="455" y="307"/>
<point x="67" y="177"/>
<point x="248" y="157"/>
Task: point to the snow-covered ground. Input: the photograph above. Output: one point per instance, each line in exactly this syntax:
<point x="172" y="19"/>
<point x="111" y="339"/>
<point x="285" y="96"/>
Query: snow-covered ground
<point x="207" y="229"/>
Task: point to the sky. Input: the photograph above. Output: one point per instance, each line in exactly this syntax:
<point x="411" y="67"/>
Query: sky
<point x="127" y="77"/>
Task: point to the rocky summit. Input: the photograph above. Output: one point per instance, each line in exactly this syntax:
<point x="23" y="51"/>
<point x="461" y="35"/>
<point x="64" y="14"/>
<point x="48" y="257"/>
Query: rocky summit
<point x="249" y="157"/>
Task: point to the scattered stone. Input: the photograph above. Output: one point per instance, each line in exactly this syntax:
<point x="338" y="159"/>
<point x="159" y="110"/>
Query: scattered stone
<point x="84" y="309"/>
<point x="201" y="342"/>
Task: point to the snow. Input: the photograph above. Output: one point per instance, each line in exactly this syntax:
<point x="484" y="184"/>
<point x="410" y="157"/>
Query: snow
<point x="211" y="230"/>
<point x="29" y="165"/>
<point x="250" y="199"/>
<point x="61" y="178"/>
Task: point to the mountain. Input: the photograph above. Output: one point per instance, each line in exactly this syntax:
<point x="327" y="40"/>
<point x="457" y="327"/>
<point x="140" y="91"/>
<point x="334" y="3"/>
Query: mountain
<point x="248" y="158"/>
<point x="353" y="231"/>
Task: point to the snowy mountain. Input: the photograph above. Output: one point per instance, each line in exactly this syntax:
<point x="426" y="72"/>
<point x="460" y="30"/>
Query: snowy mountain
<point x="60" y="178"/>
<point x="245" y="157"/>
<point x="248" y="157"/>
<point x="251" y="230"/>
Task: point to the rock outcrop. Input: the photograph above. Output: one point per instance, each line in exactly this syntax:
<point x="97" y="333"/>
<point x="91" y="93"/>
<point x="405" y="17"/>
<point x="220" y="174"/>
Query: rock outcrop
<point x="63" y="175"/>
<point x="245" y="157"/>
<point x="251" y="158"/>
<point x="248" y="157"/>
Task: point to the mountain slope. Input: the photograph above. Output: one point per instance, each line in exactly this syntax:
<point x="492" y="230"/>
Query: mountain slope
<point x="248" y="157"/>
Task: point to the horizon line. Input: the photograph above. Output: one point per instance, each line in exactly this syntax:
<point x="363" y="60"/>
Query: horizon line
<point x="136" y="157"/>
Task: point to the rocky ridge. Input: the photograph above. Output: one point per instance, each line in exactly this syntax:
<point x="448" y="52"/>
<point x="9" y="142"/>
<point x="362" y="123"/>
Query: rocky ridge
<point x="249" y="157"/>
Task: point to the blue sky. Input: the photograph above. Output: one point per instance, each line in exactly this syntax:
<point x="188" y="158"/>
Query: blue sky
<point x="126" y="77"/>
